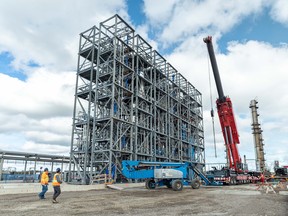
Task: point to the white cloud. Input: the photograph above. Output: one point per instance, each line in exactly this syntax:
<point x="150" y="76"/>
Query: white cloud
<point x="187" y="18"/>
<point x="159" y="11"/>
<point x="38" y="110"/>
<point x="43" y="148"/>
<point x="43" y="93"/>
<point x="12" y="140"/>
<point x="47" y="31"/>
<point x="36" y="114"/>
<point x="279" y="11"/>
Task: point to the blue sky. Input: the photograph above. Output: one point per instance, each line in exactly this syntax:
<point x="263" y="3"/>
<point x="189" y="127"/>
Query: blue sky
<point x="135" y="11"/>
<point x="38" y="59"/>
<point x="260" y="28"/>
<point x="6" y="68"/>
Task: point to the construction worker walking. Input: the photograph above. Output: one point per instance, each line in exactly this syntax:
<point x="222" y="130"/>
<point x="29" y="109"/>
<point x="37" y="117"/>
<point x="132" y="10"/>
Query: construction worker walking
<point x="44" y="182"/>
<point x="262" y="178"/>
<point x="57" y="181"/>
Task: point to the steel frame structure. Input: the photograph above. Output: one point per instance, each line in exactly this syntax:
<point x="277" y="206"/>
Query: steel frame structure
<point x="35" y="157"/>
<point x="130" y="104"/>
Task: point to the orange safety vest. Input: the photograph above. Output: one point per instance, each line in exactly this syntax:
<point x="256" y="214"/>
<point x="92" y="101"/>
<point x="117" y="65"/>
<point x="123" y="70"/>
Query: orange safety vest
<point x="55" y="182"/>
<point x="44" y="178"/>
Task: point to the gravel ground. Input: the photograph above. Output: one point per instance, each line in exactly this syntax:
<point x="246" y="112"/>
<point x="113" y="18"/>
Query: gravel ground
<point x="229" y="200"/>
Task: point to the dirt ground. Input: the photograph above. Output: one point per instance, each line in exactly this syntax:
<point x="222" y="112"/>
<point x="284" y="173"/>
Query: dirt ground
<point x="227" y="200"/>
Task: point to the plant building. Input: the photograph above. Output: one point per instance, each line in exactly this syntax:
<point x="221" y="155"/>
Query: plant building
<point x="130" y="104"/>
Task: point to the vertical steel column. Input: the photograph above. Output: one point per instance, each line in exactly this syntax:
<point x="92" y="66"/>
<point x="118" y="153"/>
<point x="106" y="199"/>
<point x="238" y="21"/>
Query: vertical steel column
<point x="74" y="118"/>
<point x="34" y="170"/>
<point x="25" y="169"/>
<point x="1" y="167"/>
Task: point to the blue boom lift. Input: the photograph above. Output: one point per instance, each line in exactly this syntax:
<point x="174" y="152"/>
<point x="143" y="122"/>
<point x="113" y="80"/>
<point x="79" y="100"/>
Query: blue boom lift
<point x="170" y="174"/>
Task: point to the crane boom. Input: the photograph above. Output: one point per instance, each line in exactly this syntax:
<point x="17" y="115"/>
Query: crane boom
<point x="226" y="115"/>
<point x="208" y="41"/>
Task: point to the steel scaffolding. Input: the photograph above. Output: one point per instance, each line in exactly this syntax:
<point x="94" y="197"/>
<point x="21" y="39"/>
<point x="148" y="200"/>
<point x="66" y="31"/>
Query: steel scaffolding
<point x="130" y="104"/>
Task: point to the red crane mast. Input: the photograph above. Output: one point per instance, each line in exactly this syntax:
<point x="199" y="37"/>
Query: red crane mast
<point x="226" y="115"/>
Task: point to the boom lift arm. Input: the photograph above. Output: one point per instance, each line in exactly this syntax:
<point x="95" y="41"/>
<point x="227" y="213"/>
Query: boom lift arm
<point x="226" y="115"/>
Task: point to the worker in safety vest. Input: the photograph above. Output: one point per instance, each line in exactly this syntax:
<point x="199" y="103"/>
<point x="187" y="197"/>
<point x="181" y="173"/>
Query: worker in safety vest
<point x="56" y="185"/>
<point x="44" y="183"/>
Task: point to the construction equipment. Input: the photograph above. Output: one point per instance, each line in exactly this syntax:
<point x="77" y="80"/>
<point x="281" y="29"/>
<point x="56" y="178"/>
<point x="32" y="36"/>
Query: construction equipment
<point x="280" y="173"/>
<point x="234" y="173"/>
<point x="170" y="174"/>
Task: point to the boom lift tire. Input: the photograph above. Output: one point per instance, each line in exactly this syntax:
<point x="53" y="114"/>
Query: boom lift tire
<point x="150" y="184"/>
<point x="177" y="185"/>
<point x="195" y="184"/>
<point x="167" y="183"/>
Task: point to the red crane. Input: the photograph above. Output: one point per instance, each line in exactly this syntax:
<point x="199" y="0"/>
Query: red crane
<point x="226" y="115"/>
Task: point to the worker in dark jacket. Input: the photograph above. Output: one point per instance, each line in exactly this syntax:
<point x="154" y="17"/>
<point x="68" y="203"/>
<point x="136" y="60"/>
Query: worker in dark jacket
<point x="44" y="183"/>
<point x="57" y="181"/>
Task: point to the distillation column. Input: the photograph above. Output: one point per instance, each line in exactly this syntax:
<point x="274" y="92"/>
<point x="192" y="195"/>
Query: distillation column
<point x="258" y="140"/>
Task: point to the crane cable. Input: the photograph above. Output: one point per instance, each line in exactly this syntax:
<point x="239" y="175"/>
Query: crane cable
<point x="211" y="104"/>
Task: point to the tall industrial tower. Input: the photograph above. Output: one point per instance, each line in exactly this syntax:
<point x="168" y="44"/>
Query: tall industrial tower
<point x="258" y="140"/>
<point x="130" y="104"/>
